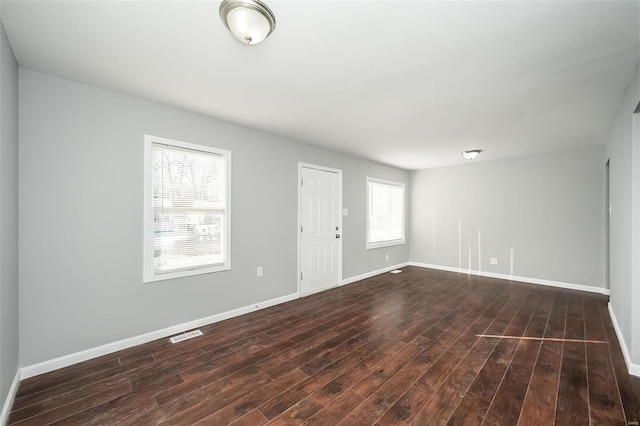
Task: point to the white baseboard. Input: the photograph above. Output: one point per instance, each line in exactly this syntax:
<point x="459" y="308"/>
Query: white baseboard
<point x="373" y="273"/>
<point x="8" y="402"/>
<point x="632" y="367"/>
<point x="64" y="361"/>
<point x="441" y="268"/>
<point x="538" y="281"/>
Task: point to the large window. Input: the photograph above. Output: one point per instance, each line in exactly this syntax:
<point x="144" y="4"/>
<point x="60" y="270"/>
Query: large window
<point x="186" y="227"/>
<point x="385" y="213"/>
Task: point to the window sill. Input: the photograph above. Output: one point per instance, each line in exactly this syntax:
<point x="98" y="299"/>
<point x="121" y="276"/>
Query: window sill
<point x="151" y="277"/>
<point x="371" y="246"/>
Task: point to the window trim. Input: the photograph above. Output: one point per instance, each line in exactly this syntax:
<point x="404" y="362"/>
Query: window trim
<point x="148" y="274"/>
<point x="388" y="243"/>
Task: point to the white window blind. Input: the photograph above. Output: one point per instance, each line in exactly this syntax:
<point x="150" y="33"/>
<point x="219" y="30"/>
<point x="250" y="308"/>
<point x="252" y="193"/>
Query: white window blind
<point x="188" y="200"/>
<point x="385" y="213"/>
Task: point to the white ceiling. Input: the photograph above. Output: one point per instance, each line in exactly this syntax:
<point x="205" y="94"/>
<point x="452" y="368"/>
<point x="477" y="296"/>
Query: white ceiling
<point x="409" y="84"/>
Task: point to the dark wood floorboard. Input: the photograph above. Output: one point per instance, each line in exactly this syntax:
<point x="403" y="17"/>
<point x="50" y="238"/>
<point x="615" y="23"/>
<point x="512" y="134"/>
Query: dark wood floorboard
<point x="422" y="347"/>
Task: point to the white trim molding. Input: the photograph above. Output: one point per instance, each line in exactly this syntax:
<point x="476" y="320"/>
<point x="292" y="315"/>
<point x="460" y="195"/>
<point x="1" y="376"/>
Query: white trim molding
<point x="528" y="280"/>
<point x="11" y="396"/>
<point x="373" y="273"/>
<point x="633" y="368"/>
<point x="64" y="361"/>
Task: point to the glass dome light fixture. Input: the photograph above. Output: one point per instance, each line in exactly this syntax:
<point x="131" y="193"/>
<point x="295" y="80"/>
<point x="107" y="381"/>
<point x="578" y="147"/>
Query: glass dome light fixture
<point x="470" y="155"/>
<point x="249" y="21"/>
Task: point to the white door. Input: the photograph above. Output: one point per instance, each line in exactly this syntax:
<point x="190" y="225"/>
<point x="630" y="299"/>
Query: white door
<point x="320" y="232"/>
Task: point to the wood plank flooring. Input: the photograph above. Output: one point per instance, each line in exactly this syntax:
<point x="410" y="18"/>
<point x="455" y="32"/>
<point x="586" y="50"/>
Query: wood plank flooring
<point x="422" y="347"/>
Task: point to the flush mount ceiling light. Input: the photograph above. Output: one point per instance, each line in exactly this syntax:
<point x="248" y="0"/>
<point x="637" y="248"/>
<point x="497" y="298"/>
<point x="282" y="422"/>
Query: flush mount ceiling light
<point x="470" y="155"/>
<point x="250" y="21"/>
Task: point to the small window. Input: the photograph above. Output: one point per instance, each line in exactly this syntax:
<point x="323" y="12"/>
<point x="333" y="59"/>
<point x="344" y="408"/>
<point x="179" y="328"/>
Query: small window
<point x="385" y="213"/>
<point x="186" y="226"/>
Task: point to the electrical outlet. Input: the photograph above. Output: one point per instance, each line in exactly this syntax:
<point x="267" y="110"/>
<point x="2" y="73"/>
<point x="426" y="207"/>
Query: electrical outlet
<point x="345" y="212"/>
<point x="493" y="260"/>
<point x="259" y="271"/>
<point x="386" y="256"/>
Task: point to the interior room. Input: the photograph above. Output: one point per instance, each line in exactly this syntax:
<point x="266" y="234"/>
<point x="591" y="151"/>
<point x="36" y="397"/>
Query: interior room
<point x="315" y="212"/>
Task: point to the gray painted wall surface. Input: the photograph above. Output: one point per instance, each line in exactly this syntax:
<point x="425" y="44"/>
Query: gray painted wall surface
<point x="635" y="239"/>
<point x="8" y="216"/>
<point x="81" y="200"/>
<point x="619" y="151"/>
<point x="548" y="208"/>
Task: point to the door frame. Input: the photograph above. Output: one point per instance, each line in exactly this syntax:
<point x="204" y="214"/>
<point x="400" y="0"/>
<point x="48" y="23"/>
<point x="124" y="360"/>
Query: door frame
<point x="607" y="224"/>
<point x="302" y="165"/>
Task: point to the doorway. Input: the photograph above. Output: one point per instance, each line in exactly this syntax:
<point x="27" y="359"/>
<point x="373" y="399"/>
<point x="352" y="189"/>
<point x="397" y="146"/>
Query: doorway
<point x="607" y="229"/>
<point x="320" y="228"/>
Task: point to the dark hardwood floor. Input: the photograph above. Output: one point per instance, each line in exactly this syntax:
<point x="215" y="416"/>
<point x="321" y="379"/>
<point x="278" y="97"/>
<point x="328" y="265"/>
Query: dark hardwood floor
<point x="422" y="347"/>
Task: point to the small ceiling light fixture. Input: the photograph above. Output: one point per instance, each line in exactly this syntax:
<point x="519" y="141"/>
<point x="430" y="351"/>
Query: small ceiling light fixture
<point x="250" y="21"/>
<point x="470" y="155"/>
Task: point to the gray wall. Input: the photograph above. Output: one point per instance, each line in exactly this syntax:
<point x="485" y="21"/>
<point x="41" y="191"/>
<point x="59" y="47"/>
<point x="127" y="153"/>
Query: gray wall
<point x="8" y="216"/>
<point x="619" y="151"/>
<point x="81" y="200"/>
<point x="548" y="208"/>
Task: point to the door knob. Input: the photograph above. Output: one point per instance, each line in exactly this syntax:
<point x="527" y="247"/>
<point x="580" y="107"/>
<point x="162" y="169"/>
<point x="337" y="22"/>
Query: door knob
<point x="337" y="235"/>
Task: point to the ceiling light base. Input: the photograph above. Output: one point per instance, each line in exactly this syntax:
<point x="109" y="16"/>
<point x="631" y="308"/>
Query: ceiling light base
<point x="470" y="155"/>
<point x="249" y="21"/>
